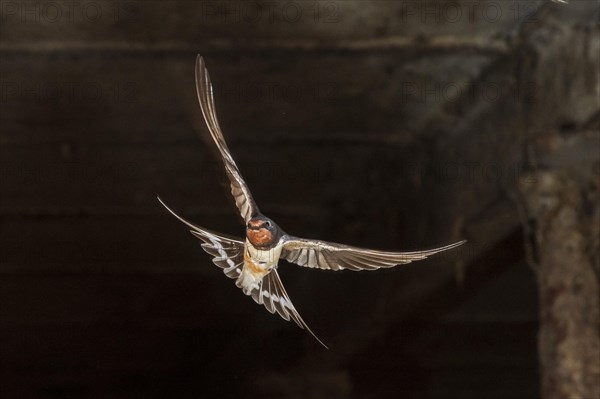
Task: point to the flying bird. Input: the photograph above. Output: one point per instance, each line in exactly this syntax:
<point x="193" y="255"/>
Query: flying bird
<point x="252" y="261"/>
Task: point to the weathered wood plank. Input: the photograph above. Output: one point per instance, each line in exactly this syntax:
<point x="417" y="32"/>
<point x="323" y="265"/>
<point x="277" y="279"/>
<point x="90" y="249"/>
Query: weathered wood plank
<point x="120" y="179"/>
<point x="172" y="299"/>
<point x="121" y="245"/>
<point x="214" y="23"/>
<point x="391" y="97"/>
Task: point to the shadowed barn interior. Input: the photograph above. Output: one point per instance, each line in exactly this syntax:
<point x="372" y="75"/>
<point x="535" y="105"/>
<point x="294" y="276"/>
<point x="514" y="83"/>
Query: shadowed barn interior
<point x="396" y="125"/>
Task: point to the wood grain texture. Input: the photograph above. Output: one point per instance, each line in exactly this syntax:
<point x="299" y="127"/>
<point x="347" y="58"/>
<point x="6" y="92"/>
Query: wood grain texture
<point x="560" y="199"/>
<point x="228" y="24"/>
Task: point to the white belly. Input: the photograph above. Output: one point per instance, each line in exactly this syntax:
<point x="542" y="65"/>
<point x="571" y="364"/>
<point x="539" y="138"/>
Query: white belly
<point x="257" y="264"/>
<point x="267" y="258"/>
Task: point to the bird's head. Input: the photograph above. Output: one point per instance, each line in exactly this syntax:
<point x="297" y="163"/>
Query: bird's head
<point x="262" y="232"/>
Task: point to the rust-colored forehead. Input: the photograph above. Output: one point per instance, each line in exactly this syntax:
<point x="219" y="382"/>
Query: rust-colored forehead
<point x="255" y="222"/>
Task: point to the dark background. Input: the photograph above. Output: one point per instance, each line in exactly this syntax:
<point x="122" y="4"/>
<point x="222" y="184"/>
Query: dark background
<point x="385" y="124"/>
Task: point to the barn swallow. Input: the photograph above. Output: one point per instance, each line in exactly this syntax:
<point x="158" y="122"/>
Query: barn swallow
<point x="252" y="262"/>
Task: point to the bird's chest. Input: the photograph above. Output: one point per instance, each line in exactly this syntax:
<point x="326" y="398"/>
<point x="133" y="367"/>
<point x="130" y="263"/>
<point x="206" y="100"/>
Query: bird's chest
<point x="261" y="261"/>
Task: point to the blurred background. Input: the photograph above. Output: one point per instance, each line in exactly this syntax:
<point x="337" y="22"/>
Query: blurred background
<point x="397" y="125"/>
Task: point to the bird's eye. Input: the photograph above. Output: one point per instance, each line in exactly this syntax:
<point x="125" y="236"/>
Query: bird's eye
<point x="268" y="224"/>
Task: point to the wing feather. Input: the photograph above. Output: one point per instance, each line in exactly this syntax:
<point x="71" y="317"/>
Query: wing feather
<point x="240" y="191"/>
<point x="228" y="252"/>
<point x="332" y="256"/>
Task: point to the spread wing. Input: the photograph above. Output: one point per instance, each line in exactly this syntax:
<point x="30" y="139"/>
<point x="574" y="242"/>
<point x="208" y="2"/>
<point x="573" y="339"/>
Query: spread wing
<point x="228" y="253"/>
<point x="332" y="256"/>
<point x="239" y="189"/>
<point x="271" y="293"/>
